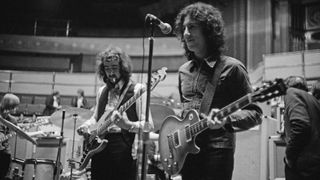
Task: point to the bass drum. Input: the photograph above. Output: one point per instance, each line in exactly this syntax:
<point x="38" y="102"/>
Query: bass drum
<point x="40" y="169"/>
<point x="15" y="169"/>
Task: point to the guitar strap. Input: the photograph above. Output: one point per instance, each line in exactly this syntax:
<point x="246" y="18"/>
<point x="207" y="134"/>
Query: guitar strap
<point x="124" y="92"/>
<point x="211" y="87"/>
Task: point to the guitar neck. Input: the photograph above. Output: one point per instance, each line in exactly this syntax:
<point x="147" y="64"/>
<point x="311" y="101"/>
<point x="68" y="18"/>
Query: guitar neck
<point x="202" y="125"/>
<point x="131" y="101"/>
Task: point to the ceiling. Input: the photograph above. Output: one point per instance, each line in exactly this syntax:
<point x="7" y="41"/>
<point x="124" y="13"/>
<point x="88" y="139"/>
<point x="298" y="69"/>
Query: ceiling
<point x="96" y="16"/>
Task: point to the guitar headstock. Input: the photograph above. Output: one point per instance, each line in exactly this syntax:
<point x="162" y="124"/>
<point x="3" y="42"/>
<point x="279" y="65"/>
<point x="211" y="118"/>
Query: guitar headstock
<point x="269" y="90"/>
<point x="161" y="73"/>
<point x="158" y="76"/>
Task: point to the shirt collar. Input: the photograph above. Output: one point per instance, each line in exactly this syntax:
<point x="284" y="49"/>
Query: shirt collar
<point x="210" y="63"/>
<point x="119" y="84"/>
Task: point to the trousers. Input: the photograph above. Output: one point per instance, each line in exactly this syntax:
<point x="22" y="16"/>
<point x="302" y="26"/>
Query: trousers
<point x="209" y="164"/>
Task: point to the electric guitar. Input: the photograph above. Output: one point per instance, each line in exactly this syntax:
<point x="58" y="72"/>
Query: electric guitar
<point x="177" y="136"/>
<point x="92" y="141"/>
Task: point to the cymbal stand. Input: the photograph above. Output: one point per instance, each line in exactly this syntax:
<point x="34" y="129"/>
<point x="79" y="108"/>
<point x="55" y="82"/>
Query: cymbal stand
<point x="57" y="169"/>
<point x="75" y="117"/>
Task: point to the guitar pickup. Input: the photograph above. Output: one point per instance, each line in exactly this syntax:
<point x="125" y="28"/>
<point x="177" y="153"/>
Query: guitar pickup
<point x="188" y="133"/>
<point x="176" y="139"/>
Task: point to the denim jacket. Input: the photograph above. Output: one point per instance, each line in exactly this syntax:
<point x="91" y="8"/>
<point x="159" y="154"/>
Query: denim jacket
<point x="232" y="85"/>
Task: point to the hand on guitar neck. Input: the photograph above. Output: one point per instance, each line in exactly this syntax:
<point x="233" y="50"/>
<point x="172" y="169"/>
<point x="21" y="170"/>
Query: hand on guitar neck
<point x="121" y="120"/>
<point x="212" y="121"/>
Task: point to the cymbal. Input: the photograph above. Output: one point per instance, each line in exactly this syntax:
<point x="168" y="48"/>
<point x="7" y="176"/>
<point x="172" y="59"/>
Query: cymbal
<point x="17" y="129"/>
<point x="159" y="113"/>
<point x="82" y="116"/>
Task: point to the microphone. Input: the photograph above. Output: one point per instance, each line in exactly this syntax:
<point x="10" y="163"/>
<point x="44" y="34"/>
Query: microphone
<point x="164" y="27"/>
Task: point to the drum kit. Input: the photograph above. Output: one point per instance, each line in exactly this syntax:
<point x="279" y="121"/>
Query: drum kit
<point x="41" y="168"/>
<point x="68" y="119"/>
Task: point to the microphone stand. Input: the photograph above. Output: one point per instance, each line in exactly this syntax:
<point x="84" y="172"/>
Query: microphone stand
<point x="75" y="116"/>
<point x="57" y="166"/>
<point x="145" y="136"/>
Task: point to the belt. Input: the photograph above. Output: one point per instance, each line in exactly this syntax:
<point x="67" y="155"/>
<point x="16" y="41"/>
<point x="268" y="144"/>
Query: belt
<point x="113" y="129"/>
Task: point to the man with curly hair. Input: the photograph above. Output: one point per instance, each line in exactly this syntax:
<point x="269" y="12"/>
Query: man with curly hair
<point x="200" y="28"/>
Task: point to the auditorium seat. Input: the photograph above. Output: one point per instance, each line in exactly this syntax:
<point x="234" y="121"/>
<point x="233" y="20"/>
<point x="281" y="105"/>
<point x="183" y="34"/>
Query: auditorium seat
<point x="91" y="101"/>
<point x="21" y="109"/>
<point x="27" y="99"/>
<point x="36" y="109"/>
<point x="66" y="100"/>
<point x="39" y="100"/>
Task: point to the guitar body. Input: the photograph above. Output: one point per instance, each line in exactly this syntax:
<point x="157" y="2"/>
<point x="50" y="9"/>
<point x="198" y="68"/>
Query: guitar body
<point x="175" y="142"/>
<point x="91" y="148"/>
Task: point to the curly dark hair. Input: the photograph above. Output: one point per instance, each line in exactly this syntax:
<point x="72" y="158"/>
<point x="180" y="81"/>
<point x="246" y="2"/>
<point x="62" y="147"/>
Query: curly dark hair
<point x="211" y="22"/>
<point x="125" y="63"/>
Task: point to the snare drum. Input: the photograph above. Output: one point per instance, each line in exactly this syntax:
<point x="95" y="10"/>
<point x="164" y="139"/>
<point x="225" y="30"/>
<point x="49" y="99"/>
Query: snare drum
<point x="40" y="169"/>
<point x="15" y="168"/>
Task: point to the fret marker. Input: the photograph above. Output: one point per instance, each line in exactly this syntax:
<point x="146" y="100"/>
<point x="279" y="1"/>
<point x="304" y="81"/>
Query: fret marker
<point x="190" y="116"/>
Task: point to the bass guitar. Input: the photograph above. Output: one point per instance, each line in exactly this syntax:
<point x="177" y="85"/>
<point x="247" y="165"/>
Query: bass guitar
<point x="92" y="141"/>
<point x="177" y="136"/>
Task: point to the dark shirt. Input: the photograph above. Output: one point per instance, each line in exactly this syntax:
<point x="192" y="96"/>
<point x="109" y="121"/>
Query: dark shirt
<point x="233" y="84"/>
<point x="302" y="126"/>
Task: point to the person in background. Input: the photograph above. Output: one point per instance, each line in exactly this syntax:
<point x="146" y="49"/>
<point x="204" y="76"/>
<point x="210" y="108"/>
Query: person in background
<point x="52" y="103"/>
<point x="316" y="89"/>
<point x="301" y="128"/>
<point x="8" y="105"/>
<point x="116" y="161"/>
<point x="297" y="82"/>
<point x="80" y="101"/>
<point x="200" y="28"/>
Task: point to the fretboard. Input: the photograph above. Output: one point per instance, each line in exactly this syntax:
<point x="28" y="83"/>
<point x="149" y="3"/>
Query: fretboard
<point x="131" y="101"/>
